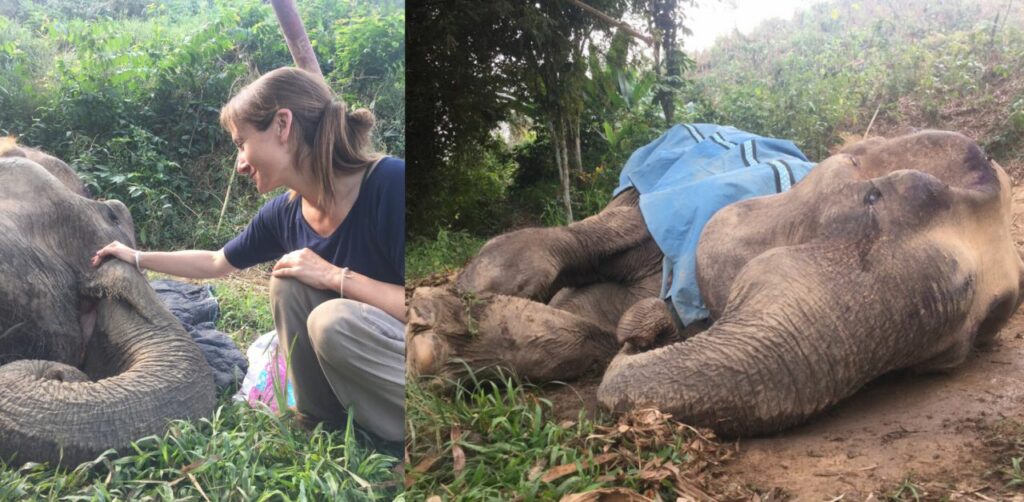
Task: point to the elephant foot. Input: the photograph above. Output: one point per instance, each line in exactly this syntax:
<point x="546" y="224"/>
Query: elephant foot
<point x="436" y="327"/>
<point x="450" y="335"/>
<point x="646" y="323"/>
<point x="525" y="263"/>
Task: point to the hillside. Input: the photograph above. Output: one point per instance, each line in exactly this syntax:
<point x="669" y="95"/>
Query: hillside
<point x="821" y="77"/>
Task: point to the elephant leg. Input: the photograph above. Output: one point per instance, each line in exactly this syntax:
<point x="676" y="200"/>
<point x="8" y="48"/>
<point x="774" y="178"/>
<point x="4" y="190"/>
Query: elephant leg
<point x="536" y="263"/>
<point x="604" y="303"/>
<point x="449" y="334"/>
<point x="650" y="323"/>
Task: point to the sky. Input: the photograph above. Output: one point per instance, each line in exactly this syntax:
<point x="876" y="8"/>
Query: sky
<point x="714" y="18"/>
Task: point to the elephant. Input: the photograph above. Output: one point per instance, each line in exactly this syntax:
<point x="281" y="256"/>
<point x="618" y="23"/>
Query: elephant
<point x="891" y="254"/>
<point x="89" y="357"/>
<point x="60" y="169"/>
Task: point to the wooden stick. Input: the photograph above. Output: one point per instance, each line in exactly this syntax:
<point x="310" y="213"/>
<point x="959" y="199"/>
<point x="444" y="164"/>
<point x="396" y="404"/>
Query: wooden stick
<point x="866" y="131"/>
<point x="227" y="195"/>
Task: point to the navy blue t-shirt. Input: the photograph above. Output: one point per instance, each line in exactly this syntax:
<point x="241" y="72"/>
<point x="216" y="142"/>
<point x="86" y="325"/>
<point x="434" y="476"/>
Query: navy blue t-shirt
<point x="371" y="240"/>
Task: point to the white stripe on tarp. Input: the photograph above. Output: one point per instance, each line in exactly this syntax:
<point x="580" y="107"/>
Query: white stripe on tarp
<point x="747" y="151"/>
<point x="724" y="143"/>
<point x="782" y="174"/>
<point x="694" y="132"/>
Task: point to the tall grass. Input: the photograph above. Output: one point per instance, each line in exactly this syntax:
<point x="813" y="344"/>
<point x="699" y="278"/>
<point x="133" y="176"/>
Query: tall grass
<point x="447" y="252"/>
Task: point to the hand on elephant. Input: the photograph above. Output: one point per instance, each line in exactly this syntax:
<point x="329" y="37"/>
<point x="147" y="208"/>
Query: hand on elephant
<point x="310" y="269"/>
<point x="117" y="250"/>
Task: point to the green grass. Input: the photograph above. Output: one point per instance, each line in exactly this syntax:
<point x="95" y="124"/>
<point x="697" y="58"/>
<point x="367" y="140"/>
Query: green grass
<point x="1006" y="438"/>
<point x="244" y="300"/>
<point x="907" y="490"/>
<point x="500" y="441"/>
<point x="448" y="252"/>
<point x="240" y="453"/>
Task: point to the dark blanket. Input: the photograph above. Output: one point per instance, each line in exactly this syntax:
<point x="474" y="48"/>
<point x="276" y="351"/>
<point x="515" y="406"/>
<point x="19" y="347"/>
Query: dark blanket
<point x="197" y="310"/>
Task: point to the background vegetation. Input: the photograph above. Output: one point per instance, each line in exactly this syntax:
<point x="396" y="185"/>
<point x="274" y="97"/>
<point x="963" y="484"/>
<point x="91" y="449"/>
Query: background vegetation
<point x="820" y="79"/>
<point x="128" y="92"/>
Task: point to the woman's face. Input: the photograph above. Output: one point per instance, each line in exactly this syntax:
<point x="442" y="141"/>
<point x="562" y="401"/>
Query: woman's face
<point x="263" y="156"/>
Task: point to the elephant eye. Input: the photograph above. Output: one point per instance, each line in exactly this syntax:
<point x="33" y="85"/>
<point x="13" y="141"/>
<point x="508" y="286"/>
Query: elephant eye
<point x="873" y="196"/>
<point x="112" y="216"/>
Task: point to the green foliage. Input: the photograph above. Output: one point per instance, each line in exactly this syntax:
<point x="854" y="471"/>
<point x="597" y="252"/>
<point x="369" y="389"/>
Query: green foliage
<point x="371" y="70"/>
<point x="129" y="93"/>
<point x="240" y="453"/>
<point x="827" y="72"/>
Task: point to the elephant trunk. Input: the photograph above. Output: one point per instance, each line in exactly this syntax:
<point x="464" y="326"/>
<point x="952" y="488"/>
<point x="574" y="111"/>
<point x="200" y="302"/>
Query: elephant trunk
<point x="54" y="412"/>
<point x="726" y="380"/>
<point x="792" y="343"/>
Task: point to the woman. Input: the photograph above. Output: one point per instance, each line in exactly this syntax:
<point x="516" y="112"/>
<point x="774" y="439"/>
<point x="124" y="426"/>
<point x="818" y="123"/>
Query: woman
<point x="339" y="237"/>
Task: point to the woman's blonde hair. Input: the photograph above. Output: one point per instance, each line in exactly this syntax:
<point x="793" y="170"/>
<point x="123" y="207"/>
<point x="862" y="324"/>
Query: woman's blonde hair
<point x="328" y="137"/>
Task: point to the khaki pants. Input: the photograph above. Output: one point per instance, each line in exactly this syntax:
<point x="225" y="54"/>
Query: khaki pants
<point x="345" y="356"/>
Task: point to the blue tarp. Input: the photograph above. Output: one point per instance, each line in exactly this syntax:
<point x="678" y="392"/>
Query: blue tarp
<point x="687" y="175"/>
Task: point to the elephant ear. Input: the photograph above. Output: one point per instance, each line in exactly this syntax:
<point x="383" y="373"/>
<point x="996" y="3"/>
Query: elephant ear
<point x="58" y="168"/>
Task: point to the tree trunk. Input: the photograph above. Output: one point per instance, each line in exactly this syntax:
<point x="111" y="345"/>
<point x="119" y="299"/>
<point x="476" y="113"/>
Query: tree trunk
<point x="577" y="156"/>
<point x="664" y="20"/>
<point x="558" y="142"/>
<point x="295" y="36"/>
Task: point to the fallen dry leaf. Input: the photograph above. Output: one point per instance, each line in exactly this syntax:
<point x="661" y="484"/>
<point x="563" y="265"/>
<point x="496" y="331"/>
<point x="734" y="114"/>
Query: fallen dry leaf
<point x="458" y="456"/>
<point x="566" y="469"/>
<point x="606" y="495"/>
<point x="426" y="463"/>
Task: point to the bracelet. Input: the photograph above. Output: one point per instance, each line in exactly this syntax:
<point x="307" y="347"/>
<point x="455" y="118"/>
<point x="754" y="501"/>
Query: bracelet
<point x="137" y="266"/>
<point x="341" y="283"/>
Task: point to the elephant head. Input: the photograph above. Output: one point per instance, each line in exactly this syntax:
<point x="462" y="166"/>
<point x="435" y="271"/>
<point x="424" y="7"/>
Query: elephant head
<point x="891" y="254"/>
<point x="89" y="357"/>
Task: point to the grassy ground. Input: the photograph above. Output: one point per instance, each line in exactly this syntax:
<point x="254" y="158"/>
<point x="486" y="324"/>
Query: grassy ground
<point x="498" y="441"/>
<point x="239" y="453"/>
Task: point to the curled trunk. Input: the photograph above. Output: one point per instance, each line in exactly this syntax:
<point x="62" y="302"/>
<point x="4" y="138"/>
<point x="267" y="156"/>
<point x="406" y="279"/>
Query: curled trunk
<point x="146" y="369"/>
<point x="790" y="343"/>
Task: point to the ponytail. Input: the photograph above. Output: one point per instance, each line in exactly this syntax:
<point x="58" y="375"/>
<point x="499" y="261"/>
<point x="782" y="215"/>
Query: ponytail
<point x="328" y="137"/>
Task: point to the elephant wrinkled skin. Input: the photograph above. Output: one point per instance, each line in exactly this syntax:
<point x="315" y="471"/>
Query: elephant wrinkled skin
<point x="890" y="254"/>
<point x="89" y="357"/>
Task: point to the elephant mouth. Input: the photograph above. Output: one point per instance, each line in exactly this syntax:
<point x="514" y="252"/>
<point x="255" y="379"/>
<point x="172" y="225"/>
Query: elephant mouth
<point x="87" y="325"/>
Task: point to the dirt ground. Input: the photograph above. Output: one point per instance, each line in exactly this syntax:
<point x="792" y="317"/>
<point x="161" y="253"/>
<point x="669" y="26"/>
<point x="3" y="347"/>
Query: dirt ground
<point x="932" y="428"/>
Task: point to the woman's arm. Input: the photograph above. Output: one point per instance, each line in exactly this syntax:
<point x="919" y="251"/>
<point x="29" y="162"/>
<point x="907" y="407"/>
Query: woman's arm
<point x="192" y="263"/>
<point x="310" y="269"/>
<point x="388" y="297"/>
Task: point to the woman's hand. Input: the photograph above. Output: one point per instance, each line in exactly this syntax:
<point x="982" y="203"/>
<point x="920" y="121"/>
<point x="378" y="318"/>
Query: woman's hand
<point x="115" y="249"/>
<point x="308" y="268"/>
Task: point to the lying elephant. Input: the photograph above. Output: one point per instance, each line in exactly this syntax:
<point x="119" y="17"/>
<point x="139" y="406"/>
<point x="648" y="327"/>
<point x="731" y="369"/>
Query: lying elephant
<point x="89" y="357"/>
<point x="891" y="254"/>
